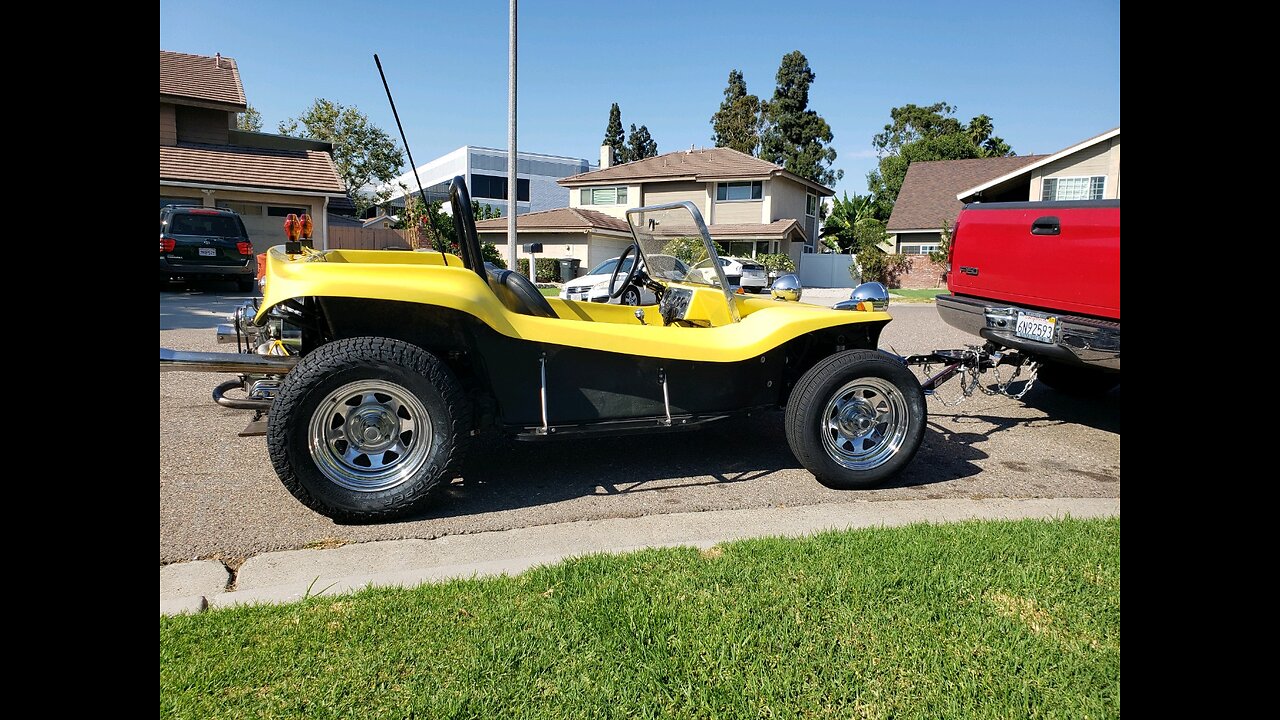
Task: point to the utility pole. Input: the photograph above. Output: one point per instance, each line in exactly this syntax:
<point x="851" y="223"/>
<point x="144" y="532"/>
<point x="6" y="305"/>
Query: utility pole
<point x="513" y="184"/>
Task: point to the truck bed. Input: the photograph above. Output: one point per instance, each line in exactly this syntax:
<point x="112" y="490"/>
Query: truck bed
<point x="1053" y="256"/>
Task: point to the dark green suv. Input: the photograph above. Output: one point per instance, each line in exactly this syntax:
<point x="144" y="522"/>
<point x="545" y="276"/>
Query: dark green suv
<point x="205" y="243"/>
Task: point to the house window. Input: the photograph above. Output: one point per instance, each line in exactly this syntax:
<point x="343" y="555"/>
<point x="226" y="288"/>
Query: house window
<point x="603" y="196"/>
<point x="729" y="192"/>
<point x="917" y="249"/>
<point x="278" y="211"/>
<point x="242" y="209"/>
<point x="178" y="201"/>
<point x="1073" y="188"/>
<point x="811" y="205"/>
<point x="494" y="187"/>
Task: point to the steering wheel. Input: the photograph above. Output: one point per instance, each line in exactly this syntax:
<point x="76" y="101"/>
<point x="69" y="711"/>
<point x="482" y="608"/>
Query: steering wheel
<point x="616" y="290"/>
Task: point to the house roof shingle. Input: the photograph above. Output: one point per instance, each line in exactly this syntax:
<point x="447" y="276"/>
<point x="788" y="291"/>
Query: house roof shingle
<point x="310" y="170"/>
<point x="699" y="165"/>
<point x="928" y="194"/>
<point x="560" y="219"/>
<point x="778" y="229"/>
<point x="202" y="78"/>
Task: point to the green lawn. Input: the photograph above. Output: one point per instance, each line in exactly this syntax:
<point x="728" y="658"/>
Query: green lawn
<point x="925" y="295"/>
<point x="975" y="620"/>
<point x="550" y="292"/>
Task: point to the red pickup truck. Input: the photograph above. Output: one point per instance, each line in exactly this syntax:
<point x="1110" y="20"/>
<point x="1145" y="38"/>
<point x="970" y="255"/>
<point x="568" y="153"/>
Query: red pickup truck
<point x="1042" y="278"/>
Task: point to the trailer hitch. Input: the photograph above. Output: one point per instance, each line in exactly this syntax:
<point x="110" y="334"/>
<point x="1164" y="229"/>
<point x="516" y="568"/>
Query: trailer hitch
<point x="969" y="363"/>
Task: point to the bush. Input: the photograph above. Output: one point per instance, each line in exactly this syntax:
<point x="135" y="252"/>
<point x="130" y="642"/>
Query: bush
<point x="548" y="269"/>
<point x="879" y="266"/>
<point x="489" y="252"/>
<point x="779" y="263"/>
<point x="690" y="249"/>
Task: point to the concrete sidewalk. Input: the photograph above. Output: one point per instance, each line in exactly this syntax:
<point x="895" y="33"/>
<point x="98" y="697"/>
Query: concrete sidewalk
<point x="289" y="575"/>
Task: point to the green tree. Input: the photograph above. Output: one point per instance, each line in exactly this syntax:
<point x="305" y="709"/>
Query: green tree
<point x="929" y="132"/>
<point x="445" y="236"/>
<point x="250" y="120"/>
<point x="613" y="134"/>
<point x="364" y="153"/>
<point x="942" y="255"/>
<point x="737" y="123"/>
<point x="640" y="144"/>
<point x="794" y="136"/>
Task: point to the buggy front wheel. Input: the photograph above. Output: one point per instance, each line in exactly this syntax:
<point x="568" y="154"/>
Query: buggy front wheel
<point x="856" y="419"/>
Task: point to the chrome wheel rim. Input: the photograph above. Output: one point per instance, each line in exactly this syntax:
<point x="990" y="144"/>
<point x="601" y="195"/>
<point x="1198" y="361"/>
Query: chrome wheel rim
<point x="370" y="435"/>
<point x="864" y="424"/>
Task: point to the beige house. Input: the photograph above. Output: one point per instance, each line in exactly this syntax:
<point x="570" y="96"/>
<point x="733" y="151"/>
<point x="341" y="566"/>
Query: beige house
<point x="1089" y="170"/>
<point x="205" y="160"/>
<point x="750" y="206"/>
<point x="590" y="236"/>
<point x="933" y="193"/>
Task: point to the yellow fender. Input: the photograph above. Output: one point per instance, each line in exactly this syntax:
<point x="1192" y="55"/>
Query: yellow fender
<point x="439" y="279"/>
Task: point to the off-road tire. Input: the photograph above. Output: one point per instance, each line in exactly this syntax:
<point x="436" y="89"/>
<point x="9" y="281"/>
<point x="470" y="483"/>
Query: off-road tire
<point x="337" y="364"/>
<point x="806" y="419"/>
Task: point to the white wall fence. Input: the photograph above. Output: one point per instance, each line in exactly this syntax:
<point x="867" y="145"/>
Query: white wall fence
<point x="825" y="270"/>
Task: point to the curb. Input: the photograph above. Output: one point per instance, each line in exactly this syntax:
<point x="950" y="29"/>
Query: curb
<point x="291" y="575"/>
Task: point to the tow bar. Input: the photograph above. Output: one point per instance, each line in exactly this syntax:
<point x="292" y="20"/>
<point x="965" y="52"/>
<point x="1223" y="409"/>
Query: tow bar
<point x="969" y="364"/>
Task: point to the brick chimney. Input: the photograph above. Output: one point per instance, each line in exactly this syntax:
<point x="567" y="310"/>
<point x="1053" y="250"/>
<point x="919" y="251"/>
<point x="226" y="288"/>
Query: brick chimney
<point x="606" y="156"/>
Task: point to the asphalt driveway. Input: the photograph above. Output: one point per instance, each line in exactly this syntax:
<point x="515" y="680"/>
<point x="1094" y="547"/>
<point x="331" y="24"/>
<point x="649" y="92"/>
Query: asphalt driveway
<point x="220" y="498"/>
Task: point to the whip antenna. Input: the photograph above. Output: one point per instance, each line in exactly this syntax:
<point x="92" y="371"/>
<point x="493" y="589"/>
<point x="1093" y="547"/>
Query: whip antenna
<point x="426" y="207"/>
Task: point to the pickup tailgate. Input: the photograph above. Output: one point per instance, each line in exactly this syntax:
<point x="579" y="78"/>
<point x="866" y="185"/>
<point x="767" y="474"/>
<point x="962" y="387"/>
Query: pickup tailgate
<point x="1062" y="256"/>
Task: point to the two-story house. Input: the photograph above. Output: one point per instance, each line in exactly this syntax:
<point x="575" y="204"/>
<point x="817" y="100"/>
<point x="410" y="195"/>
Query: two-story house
<point x="750" y="206"/>
<point x="933" y="192"/>
<point x="205" y="160"/>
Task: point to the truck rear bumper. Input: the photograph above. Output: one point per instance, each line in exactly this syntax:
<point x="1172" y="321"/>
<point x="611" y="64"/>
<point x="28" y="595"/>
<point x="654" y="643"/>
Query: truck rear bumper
<point x="1079" y="341"/>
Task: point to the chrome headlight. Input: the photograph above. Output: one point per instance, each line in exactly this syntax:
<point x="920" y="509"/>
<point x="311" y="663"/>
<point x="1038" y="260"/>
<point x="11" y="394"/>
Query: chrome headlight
<point x="787" y="287"/>
<point x="872" y="292"/>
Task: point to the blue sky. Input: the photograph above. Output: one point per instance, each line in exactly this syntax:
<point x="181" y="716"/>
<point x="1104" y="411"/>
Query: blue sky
<point x="1048" y="73"/>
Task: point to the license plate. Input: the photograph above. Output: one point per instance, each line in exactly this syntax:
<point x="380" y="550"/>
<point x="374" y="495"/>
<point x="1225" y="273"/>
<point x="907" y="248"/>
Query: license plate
<point x="1035" y="328"/>
<point x="208" y="252"/>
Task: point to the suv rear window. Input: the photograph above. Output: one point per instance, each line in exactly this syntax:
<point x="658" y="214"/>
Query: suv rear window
<point x="210" y="225"/>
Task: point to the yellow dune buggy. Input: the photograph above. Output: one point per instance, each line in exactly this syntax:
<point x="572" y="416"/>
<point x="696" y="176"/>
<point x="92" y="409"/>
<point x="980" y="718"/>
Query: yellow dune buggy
<point x="378" y="369"/>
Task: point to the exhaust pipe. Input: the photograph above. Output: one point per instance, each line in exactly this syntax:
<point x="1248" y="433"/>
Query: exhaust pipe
<point x="220" y="397"/>
<point x="181" y="360"/>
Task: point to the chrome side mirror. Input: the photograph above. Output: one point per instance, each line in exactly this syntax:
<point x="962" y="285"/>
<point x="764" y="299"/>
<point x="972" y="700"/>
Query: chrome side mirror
<point x="787" y="287"/>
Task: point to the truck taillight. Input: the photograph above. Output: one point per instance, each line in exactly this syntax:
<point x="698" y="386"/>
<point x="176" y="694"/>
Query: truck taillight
<point x="951" y="246"/>
<point x="244" y="248"/>
<point x="167" y="244"/>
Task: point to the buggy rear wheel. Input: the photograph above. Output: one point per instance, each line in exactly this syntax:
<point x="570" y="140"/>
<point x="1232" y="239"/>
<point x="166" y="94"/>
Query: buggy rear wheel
<point x="364" y="429"/>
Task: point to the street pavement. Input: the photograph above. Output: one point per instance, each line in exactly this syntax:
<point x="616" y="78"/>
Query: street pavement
<point x="219" y="498"/>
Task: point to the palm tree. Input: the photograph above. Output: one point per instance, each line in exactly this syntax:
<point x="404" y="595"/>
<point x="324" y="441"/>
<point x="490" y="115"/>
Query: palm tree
<point x="852" y="224"/>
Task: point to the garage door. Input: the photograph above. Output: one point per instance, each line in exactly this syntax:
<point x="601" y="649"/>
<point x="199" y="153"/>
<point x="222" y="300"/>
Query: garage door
<point x="603" y="248"/>
<point x="265" y="223"/>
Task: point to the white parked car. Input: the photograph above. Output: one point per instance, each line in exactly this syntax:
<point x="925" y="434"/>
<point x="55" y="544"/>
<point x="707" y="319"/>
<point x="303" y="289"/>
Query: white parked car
<point x="745" y="273"/>
<point x="594" y="286"/>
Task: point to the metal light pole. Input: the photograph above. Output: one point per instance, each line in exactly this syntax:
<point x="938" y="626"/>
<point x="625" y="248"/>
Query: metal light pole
<point x="513" y="185"/>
